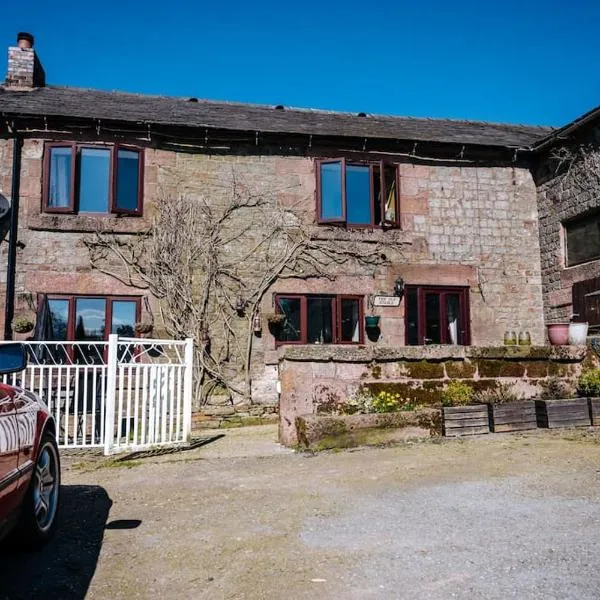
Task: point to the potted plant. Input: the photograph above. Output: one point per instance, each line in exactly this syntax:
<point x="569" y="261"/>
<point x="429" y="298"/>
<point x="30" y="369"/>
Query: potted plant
<point x="23" y="324"/>
<point x="460" y="416"/>
<point x="588" y="385"/>
<point x="557" y="406"/>
<point x="372" y="321"/>
<point x="558" y="333"/>
<point x="507" y="411"/>
<point x="143" y="328"/>
<point x="275" y="323"/>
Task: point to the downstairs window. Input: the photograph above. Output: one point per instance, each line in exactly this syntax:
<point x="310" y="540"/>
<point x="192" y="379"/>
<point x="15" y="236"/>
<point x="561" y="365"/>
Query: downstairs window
<point x="89" y="319"/>
<point x="437" y="315"/>
<point x="320" y="319"/>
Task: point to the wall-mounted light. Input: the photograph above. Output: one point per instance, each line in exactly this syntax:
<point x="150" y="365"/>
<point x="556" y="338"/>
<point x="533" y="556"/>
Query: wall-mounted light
<point x="399" y="287"/>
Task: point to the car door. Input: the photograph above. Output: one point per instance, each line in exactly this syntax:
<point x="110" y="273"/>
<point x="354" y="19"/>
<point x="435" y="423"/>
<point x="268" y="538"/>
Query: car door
<point x="26" y="414"/>
<point x="9" y="452"/>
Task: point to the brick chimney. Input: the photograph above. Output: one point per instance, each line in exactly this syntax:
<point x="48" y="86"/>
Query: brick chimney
<point x="24" y="68"/>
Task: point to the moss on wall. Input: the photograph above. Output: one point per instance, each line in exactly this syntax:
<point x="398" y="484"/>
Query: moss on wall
<point x="425" y="369"/>
<point x="460" y="369"/>
<point x="501" y="368"/>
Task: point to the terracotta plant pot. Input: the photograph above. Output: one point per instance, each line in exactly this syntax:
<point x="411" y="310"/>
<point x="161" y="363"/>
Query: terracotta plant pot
<point x="558" y="334"/>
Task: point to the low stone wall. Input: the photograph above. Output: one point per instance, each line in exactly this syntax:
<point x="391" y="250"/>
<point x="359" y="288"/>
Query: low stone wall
<point x="321" y="432"/>
<point x="315" y="378"/>
<point x="215" y="416"/>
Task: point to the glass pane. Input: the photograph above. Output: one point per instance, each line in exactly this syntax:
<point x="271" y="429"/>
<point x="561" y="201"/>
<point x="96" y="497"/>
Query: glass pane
<point x="123" y="322"/>
<point x="59" y="189"/>
<point x="331" y="191"/>
<point x="56" y="328"/>
<point x="320" y="320"/>
<point x="412" y="318"/>
<point x="94" y="180"/>
<point x="583" y="240"/>
<point x="453" y="318"/>
<point x="123" y="317"/>
<point x="358" y="195"/>
<point x="389" y="175"/>
<point x="432" y="319"/>
<point x="127" y="179"/>
<point x="290" y="331"/>
<point x="350" y="320"/>
<point x="58" y="320"/>
<point x="90" y="318"/>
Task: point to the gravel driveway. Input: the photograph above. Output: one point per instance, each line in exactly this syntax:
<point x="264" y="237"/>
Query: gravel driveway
<point x="492" y="517"/>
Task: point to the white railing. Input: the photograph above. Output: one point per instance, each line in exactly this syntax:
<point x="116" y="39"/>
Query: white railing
<point x="123" y="394"/>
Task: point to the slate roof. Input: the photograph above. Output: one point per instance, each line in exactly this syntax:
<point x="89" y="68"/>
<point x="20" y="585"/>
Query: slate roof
<point x="124" y="107"/>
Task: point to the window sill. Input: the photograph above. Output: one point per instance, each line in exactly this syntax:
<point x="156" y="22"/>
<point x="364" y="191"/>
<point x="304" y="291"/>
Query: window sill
<point x="368" y="235"/>
<point x="87" y="223"/>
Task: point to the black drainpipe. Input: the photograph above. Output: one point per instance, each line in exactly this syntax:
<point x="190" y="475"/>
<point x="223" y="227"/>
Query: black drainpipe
<point x="9" y="308"/>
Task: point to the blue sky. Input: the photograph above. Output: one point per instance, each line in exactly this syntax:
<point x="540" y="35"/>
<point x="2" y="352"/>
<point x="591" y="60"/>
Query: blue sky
<point x="527" y="61"/>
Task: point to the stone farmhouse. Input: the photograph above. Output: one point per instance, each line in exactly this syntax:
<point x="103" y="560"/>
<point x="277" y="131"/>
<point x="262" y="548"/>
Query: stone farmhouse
<point x="451" y="232"/>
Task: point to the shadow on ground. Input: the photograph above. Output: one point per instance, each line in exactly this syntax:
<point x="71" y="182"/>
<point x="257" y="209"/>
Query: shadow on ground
<point x="65" y="566"/>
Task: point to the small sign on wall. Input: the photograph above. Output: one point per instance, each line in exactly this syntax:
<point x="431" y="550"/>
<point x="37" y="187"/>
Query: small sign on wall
<point x="386" y="301"/>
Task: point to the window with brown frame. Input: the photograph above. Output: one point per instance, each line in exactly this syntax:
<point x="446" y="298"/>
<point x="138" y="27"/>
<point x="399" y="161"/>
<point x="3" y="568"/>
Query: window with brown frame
<point x="356" y="194"/>
<point x="88" y="319"/>
<point x="437" y="315"/>
<point x="320" y="319"/>
<point x="582" y="239"/>
<point x="85" y="178"/>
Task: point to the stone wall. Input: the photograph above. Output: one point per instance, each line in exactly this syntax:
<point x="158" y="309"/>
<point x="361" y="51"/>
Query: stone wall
<point x="468" y="226"/>
<point x="312" y="378"/>
<point x="560" y="201"/>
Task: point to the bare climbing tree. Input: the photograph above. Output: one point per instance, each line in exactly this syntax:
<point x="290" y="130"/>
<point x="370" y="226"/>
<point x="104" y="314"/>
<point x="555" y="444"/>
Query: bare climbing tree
<point x="580" y="164"/>
<point x="199" y="258"/>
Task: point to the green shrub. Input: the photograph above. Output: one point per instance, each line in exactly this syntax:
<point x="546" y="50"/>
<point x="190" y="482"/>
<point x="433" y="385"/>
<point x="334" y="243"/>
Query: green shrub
<point x="588" y="383"/>
<point x="457" y="393"/>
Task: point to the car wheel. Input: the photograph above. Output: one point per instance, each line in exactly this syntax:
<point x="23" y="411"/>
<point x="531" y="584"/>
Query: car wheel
<point x="40" y="506"/>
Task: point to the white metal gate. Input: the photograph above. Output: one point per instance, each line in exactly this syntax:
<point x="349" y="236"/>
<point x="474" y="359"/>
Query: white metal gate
<point x="124" y="394"/>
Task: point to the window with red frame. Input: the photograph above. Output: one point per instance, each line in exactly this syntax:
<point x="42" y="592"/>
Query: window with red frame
<point x="81" y="178"/>
<point x="89" y="319"/>
<point x="356" y="194"/>
<point x="320" y="319"/>
<point x="437" y="315"/>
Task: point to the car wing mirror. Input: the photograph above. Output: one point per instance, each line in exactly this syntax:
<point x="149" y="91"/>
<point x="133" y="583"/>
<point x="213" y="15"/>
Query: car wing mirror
<point x="13" y="358"/>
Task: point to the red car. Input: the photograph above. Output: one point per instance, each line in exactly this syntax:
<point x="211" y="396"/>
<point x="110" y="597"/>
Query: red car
<point x="29" y="460"/>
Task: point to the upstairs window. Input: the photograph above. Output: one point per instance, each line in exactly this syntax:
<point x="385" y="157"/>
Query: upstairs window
<point x="93" y="179"/>
<point x="582" y="240"/>
<point x="357" y="194"/>
<point x="320" y="319"/>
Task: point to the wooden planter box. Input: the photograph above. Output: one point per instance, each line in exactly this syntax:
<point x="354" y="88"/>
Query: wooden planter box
<point x="595" y="410"/>
<point x="513" y="416"/>
<point x="466" y="420"/>
<point x="563" y="413"/>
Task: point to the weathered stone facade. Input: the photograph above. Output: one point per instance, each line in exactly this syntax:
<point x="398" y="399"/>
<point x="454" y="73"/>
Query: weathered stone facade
<point x="559" y="201"/>
<point x="461" y="226"/>
<point x="311" y="379"/>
